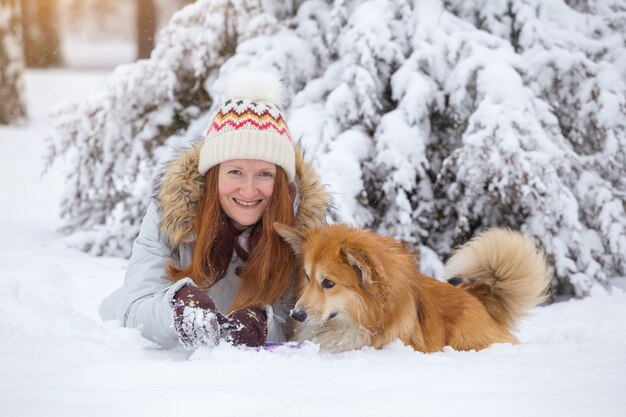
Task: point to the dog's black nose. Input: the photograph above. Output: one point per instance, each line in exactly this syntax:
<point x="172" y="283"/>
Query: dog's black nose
<point x="456" y="281"/>
<point x="298" y="315"/>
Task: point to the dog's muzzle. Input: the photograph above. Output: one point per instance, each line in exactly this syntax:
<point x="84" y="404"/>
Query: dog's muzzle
<point x="298" y="315"/>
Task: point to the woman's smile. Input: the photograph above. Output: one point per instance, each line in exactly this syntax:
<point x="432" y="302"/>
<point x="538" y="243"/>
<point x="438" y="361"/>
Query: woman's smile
<point x="247" y="203"/>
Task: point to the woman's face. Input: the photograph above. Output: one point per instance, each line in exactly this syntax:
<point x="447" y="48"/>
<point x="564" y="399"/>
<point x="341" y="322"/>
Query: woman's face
<point x="245" y="187"/>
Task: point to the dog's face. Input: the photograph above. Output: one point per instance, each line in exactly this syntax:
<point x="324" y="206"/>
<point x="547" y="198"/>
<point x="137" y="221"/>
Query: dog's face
<point x="333" y="276"/>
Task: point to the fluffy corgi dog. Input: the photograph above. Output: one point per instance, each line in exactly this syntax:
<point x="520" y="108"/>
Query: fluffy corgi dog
<point x="358" y="288"/>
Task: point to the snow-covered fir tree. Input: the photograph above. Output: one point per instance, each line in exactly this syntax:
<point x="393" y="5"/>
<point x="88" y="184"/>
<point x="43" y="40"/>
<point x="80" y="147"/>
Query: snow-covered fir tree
<point x="12" y="107"/>
<point x="429" y="120"/>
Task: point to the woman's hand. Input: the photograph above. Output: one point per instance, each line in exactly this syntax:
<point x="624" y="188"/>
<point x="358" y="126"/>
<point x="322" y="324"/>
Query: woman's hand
<point x="199" y="323"/>
<point x="247" y="326"/>
<point x="196" y="319"/>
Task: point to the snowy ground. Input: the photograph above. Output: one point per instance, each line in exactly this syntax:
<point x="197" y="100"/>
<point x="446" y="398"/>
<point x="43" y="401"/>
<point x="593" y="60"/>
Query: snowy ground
<point x="57" y="358"/>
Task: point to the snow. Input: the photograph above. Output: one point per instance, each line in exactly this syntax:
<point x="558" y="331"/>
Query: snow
<point x="57" y="358"/>
<point x="200" y="326"/>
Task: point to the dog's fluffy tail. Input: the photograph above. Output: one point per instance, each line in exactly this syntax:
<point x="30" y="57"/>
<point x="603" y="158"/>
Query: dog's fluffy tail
<point x="503" y="269"/>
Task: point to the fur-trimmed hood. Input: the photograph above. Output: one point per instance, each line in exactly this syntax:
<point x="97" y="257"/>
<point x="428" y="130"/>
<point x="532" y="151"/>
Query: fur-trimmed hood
<point x="181" y="186"/>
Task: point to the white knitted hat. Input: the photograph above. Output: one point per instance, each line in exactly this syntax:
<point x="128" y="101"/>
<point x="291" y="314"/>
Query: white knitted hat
<point x="249" y="125"/>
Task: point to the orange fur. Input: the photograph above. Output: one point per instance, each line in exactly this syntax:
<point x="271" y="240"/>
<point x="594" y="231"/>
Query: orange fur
<point x="379" y="295"/>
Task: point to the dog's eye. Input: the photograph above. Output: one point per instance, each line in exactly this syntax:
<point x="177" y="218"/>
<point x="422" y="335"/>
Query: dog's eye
<point x="326" y="283"/>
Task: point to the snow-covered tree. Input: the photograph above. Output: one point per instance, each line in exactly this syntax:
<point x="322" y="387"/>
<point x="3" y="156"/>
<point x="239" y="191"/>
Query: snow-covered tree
<point x="12" y="107"/>
<point x="430" y="120"/>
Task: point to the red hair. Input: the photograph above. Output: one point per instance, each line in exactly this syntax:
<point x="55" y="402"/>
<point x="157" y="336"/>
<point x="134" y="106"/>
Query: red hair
<point x="269" y="265"/>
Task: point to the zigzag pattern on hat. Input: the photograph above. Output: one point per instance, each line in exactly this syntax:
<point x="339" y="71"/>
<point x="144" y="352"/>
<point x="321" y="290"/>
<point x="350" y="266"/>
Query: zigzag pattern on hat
<point x="262" y="121"/>
<point x="260" y="117"/>
<point x="260" y="126"/>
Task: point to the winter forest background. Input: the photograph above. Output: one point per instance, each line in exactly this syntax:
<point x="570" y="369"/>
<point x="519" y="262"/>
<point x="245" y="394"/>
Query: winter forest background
<point x="428" y="120"/>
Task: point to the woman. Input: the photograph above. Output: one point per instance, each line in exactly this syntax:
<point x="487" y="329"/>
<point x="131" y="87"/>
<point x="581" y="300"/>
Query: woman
<point x="207" y="264"/>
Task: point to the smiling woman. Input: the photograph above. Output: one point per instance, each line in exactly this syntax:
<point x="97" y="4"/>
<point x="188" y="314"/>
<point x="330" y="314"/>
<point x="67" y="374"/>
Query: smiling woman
<point x="207" y="264"/>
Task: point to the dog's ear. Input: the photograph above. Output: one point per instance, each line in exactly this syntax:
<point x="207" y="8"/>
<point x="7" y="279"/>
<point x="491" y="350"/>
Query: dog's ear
<point x="361" y="262"/>
<point x="291" y="236"/>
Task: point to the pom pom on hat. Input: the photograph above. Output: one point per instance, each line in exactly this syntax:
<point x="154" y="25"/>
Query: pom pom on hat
<point x="249" y="125"/>
<point x="255" y="85"/>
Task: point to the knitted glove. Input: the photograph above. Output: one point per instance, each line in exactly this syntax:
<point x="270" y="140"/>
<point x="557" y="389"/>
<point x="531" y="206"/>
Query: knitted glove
<point x="196" y="319"/>
<point x="247" y="326"/>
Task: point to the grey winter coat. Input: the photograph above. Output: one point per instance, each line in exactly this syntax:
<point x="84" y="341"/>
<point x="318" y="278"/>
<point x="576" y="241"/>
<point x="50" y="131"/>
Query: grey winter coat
<point x="145" y="301"/>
